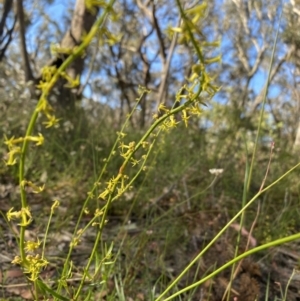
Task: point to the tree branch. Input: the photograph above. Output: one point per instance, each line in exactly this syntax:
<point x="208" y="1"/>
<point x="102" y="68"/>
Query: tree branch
<point x="165" y="71"/>
<point x="7" y="6"/>
<point x="9" y="35"/>
<point x="6" y="10"/>
<point x="274" y="71"/>
<point x="27" y="68"/>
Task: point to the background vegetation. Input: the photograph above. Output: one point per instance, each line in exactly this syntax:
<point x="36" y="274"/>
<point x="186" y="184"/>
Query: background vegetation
<point x="178" y="204"/>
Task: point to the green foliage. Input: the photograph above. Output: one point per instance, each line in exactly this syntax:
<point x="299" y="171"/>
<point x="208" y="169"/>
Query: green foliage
<point x="174" y="175"/>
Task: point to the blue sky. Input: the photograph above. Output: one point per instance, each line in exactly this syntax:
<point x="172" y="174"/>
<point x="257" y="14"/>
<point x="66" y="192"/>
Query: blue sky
<point x="59" y="11"/>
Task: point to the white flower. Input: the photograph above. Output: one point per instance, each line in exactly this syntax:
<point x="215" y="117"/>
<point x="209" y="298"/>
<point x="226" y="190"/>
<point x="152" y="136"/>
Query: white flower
<point x="216" y="171"/>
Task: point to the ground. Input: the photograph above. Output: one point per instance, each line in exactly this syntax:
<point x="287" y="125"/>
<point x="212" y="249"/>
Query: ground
<point x="151" y="248"/>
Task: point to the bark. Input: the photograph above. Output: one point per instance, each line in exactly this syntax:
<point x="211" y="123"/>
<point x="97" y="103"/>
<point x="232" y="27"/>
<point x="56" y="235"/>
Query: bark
<point x="296" y="146"/>
<point x="82" y="22"/>
<point x="7" y="6"/>
<point x="5" y="35"/>
<point x="24" y="53"/>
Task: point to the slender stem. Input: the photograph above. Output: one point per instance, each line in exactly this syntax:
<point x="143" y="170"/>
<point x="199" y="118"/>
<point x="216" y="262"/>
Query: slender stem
<point x="263" y="106"/>
<point x="76" y="53"/>
<point x="222" y="231"/>
<point x="274" y="243"/>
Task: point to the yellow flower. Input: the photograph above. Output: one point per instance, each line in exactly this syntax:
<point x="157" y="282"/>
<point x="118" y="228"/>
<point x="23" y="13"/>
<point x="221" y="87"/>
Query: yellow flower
<point x="98" y="212"/>
<point x="48" y="71"/>
<point x="12" y="141"/>
<point x="13" y="214"/>
<point x="25" y="223"/>
<point x="38" y="139"/>
<point x="91" y="194"/>
<point x="52" y="121"/>
<point x="145" y="144"/>
<point x="55" y="205"/>
<point x="35" y="265"/>
<point x="122" y="145"/>
<point x="44" y="106"/>
<point x="79" y="232"/>
<point x="216" y="59"/>
<point x="195" y="110"/>
<point x="42" y="85"/>
<point x="198" y="9"/>
<point x="35" y="189"/>
<point x="9" y="142"/>
<point x="11" y="155"/>
<point x="54" y="48"/>
<point x="134" y="162"/>
<point x="104" y="194"/>
<point x="75" y="242"/>
<point x="171" y="122"/>
<point x="121" y="134"/>
<point x="130" y="148"/>
<point x="72" y="83"/>
<point x="185" y="117"/>
<point x="17" y="260"/>
<point x="162" y="107"/>
<point x="26" y="217"/>
<point x="31" y="245"/>
<point x="176" y="29"/>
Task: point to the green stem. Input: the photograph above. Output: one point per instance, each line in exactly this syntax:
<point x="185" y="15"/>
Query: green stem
<point x="195" y="44"/>
<point x="76" y="53"/>
<point x="222" y="231"/>
<point x="263" y="108"/>
<point x="120" y="174"/>
<point x="236" y="259"/>
<point x="93" y="191"/>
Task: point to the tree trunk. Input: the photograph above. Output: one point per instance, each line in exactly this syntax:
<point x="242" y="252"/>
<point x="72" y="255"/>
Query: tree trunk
<point x="82" y="22"/>
<point x="296" y="146"/>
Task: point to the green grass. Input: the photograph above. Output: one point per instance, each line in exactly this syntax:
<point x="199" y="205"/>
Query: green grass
<point x="160" y="229"/>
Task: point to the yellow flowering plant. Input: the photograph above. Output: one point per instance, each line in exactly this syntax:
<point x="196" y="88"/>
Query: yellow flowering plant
<point x="30" y="259"/>
<point x="187" y="103"/>
<point x="198" y="89"/>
